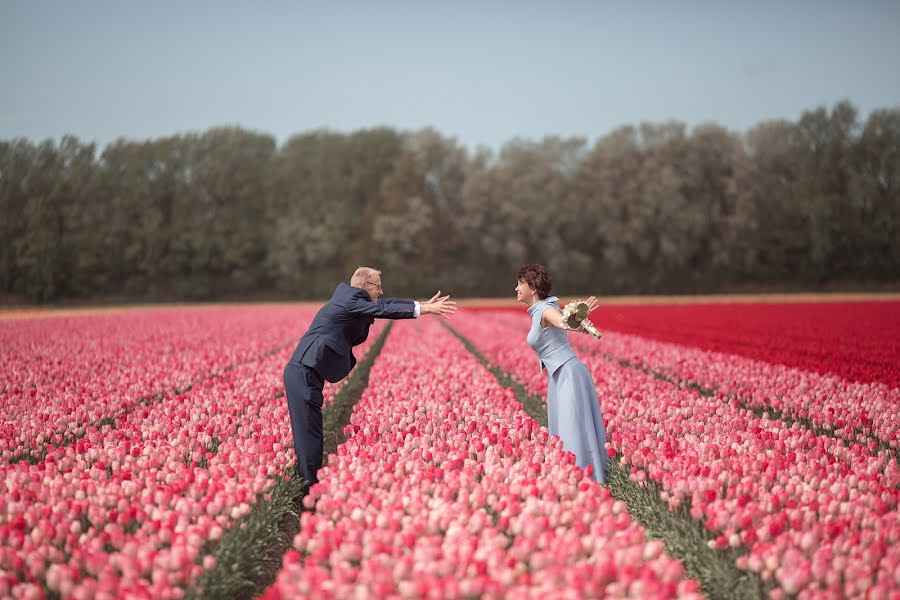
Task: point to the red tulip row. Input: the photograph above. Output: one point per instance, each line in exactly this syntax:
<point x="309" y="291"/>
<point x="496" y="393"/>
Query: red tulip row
<point x="860" y="412"/>
<point x="126" y="509"/>
<point x="857" y="341"/>
<point x="63" y="375"/>
<point x="817" y="516"/>
<point x="445" y="488"/>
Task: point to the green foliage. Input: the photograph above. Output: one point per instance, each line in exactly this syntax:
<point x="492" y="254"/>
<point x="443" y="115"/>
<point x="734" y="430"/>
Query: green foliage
<point x="227" y="214"/>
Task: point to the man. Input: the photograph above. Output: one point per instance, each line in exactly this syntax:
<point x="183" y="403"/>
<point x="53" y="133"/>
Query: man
<point x="325" y="353"/>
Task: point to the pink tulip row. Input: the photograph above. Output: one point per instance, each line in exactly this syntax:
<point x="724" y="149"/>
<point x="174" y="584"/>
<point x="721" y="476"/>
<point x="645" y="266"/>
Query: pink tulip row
<point x="853" y="411"/>
<point x="361" y="351"/>
<point x="445" y="488"/>
<point x="817" y="516"/>
<point x="126" y="510"/>
<point x="62" y="375"/>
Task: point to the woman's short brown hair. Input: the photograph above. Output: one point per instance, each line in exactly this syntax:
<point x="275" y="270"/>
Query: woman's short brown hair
<point x="538" y="277"/>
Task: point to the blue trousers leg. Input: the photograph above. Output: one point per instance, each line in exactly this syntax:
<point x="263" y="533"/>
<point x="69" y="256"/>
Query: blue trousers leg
<point x="303" y="388"/>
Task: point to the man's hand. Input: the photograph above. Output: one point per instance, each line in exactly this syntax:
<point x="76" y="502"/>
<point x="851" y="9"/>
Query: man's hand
<point x="592" y="304"/>
<point x="438" y="305"/>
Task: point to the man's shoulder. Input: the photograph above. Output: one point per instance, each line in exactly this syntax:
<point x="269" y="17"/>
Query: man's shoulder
<point x="344" y="294"/>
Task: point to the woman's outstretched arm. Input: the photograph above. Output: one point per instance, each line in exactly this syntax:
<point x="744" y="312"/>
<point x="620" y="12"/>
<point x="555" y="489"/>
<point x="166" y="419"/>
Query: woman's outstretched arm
<point x="552" y="317"/>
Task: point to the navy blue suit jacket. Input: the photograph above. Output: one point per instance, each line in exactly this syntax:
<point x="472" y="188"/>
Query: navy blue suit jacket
<point x="341" y="324"/>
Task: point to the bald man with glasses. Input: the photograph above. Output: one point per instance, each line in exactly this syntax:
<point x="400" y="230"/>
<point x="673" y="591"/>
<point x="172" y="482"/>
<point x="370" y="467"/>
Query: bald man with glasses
<point x="325" y="353"/>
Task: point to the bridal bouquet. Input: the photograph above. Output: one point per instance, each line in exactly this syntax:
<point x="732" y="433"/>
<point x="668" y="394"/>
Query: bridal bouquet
<point x="575" y="317"/>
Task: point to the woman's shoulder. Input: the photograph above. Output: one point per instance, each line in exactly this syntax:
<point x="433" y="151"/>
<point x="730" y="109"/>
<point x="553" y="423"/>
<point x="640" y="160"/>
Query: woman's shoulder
<point x="540" y="306"/>
<point x="551" y="301"/>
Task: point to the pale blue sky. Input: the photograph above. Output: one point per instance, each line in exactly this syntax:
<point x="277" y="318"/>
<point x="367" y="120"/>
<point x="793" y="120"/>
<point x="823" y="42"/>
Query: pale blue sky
<point x="482" y="72"/>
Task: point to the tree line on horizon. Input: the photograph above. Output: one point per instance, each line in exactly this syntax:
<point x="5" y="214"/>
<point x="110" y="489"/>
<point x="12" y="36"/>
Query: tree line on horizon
<point x="653" y="208"/>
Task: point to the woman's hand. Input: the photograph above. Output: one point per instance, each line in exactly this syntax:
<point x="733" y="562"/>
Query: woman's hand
<point x="553" y="317"/>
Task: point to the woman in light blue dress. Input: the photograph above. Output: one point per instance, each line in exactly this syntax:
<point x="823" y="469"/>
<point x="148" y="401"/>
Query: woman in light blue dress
<point x="573" y="411"/>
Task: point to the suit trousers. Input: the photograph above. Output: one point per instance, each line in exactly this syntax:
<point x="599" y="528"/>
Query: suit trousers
<point x="303" y="388"/>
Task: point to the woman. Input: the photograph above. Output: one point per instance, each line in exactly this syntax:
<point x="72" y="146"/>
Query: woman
<point x="573" y="411"/>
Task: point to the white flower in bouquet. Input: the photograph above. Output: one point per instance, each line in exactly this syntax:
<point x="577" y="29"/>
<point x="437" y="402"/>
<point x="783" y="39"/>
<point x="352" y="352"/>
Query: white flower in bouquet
<point x="575" y="318"/>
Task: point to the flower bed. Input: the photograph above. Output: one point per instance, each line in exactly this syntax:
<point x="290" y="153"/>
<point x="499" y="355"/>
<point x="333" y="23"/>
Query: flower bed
<point x="63" y="376"/>
<point x="816" y="514"/>
<point x="862" y="412"/>
<point x="133" y="507"/>
<point x="446" y="488"/>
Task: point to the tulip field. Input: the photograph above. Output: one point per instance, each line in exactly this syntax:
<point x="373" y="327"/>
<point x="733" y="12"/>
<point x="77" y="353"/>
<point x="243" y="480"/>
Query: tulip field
<point x="755" y="452"/>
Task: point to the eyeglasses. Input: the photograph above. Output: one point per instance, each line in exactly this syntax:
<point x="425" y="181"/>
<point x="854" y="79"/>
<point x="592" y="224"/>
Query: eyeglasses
<point x="377" y="285"/>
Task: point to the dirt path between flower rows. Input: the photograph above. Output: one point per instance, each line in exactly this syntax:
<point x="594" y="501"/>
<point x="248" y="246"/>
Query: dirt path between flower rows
<point x="40" y="312"/>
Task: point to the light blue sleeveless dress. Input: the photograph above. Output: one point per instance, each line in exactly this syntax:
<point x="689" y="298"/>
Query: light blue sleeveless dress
<point x="573" y="411"/>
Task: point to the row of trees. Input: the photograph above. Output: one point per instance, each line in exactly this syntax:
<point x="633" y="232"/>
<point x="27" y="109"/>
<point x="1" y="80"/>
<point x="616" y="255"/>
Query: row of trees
<point x="652" y="208"/>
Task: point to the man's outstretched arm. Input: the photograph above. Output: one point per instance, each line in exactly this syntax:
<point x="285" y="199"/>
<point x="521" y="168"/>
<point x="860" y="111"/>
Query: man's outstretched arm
<point x="389" y="308"/>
